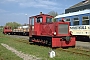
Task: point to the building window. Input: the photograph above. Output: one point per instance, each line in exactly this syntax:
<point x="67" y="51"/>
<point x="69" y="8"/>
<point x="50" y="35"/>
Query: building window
<point x="86" y="1"/>
<point x="76" y="21"/>
<point x="85" y="20"/>
<point x="68" y="19"/>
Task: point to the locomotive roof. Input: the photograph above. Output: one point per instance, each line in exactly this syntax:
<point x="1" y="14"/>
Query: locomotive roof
<point x="73" y="13"/>
<point x="41" y="14"/>
<point x="7" y="26"/>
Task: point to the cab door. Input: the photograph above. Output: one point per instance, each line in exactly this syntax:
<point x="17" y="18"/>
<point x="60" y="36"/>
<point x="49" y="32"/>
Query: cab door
<point x="31" y="25"/>
<point x="37" y="25"/>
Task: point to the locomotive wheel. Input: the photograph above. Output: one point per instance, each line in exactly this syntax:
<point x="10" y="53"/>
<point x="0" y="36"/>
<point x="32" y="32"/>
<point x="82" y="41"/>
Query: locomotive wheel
<point x="30" y="39"/>
<point x="46" y="42"/>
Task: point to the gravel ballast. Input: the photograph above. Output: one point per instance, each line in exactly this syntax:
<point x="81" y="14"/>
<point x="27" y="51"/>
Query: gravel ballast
<point x="20" y="54"/>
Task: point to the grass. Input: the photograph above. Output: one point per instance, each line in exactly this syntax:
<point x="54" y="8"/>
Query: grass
<point x="38" y="51"/>
<point x="4" y="53"/>
<point x="7" y="55"/>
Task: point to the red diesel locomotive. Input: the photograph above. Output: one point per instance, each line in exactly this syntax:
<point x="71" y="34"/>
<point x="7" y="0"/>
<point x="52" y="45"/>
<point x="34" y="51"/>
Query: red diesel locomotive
<point x="7" y="30"/>
<point x="55" y="34"/>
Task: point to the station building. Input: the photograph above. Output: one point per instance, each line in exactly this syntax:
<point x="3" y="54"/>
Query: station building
<point x="83" y="19"/>
<point x="79" y="6"/>
<point x="78" y="14"/>
<point x="79" y="17"/>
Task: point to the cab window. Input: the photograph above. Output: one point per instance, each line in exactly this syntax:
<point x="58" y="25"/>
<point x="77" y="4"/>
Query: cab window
<point x="32" y="21"/>
<point x="5" y="27"/>
<point x="48" y="20"/>
<point x="39" y="20"/>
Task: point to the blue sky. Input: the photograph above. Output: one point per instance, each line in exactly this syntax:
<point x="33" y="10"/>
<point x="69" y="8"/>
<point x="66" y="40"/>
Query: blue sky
<point x="19" y="10"/>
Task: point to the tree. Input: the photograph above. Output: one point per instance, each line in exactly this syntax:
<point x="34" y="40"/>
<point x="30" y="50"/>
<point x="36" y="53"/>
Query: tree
<point x="54" y="14"/>
<point x="1" y="28"/>
<point x="13" y="24"/>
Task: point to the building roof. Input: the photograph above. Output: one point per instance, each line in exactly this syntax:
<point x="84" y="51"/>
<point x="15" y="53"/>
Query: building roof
<point x="86" y="2"/>
<point x="73" y="13"/>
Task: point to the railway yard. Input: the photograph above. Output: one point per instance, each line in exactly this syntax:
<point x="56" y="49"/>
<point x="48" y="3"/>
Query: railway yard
<point x="80" y="52"/>
<point x="79" y="44"/>
<point x="51" y="36"/>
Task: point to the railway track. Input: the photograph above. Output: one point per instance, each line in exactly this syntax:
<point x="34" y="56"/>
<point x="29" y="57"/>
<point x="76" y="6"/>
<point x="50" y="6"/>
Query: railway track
<point x="77" y="51"/>
<point x="71" y="50"/>
<point x="17" y="36"/>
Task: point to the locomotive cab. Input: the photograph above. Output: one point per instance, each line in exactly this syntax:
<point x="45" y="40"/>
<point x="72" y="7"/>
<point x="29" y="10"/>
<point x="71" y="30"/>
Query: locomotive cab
<point x="44" y="31"/>
<point x="36" y="21"/>
<point x="7" y="30"/>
